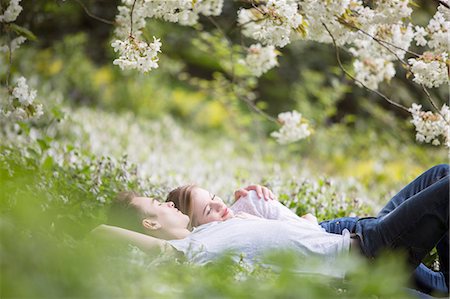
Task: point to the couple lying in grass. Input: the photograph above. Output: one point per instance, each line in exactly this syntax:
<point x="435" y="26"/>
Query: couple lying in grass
<point x="197" y="224"/>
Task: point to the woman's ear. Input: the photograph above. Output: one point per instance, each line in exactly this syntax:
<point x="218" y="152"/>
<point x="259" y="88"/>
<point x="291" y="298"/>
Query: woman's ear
<point x="151" y="224"/>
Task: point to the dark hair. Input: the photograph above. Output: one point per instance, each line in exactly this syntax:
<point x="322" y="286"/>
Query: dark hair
<point x="124" y="213"/>
<point x="181" y="197"/>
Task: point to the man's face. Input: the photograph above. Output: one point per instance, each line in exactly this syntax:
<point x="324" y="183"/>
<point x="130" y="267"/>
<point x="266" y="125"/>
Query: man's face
<point x="207" y="207"/>
<point x="164" y="213"/>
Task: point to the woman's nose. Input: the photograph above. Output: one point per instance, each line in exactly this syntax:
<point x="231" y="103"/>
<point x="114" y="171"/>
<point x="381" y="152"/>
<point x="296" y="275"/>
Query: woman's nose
<point x="216" y="205"/>
<point x="171" y="204"/>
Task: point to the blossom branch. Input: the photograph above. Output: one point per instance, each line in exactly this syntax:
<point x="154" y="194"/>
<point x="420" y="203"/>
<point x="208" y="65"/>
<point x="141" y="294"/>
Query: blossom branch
<point x="430" y="99"/>
<point x="131" y="17"/>
<point x="383" y="43"/>
<point x="443" y="4"/>
<point x="94" y="16"/>
<point x="338" y="57"/>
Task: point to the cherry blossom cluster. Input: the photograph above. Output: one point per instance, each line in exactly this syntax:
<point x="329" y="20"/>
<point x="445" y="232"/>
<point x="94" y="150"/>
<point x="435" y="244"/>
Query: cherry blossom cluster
<point x="20" y="104"/>
<point x="273" y="23"/>
<point x="430" y="70"/>
<point x="431" y="127"/>
<point x="260" y="59"/>
<point x="293" y="128"/>
<point x="135" y="53"/>
<point x="377" y="34"/>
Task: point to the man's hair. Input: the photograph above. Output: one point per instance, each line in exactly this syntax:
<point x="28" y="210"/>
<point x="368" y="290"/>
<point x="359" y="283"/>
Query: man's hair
<point x="181" y="197"/>
<point x="124" y="213"/>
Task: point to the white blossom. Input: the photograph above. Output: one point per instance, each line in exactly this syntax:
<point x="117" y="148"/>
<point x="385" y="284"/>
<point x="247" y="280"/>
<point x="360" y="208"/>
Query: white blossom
<point x="20" y="104"/>
<point x="431" y="127"/>
<point x="12" y="12"/>
<point x="419" y="36"/>
<point x="439" y="30"/>
<point x="123" y="19"/>
<point x="14" y="45"/>
<point x="293" y="128"/>
<point x="22" y="92"/>
<point x="273" y="23"/>
<point x="371" y="72"/>
<point x="137" y="54"/>
<point x="429" y="70"/>
<point x="260" y="59"/>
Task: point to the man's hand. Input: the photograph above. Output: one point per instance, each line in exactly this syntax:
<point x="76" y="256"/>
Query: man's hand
<point x="311" y="218"/>
<point x="261" y="191"/>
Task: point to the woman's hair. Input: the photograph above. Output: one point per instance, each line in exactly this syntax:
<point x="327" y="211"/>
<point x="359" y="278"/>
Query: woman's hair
<point x="124" y="213"/>
<point x="181" y="197"/>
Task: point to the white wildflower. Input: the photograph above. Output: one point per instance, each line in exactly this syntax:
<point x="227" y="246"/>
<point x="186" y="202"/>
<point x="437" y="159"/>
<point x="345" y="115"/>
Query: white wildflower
<point x="431" y="127"/>
<point x="137" y="54"/>
<point x="12" y="12"/>
<point x="430" y="70"/>
<point x="293" y="128"/>
<point x="261" y="59"/>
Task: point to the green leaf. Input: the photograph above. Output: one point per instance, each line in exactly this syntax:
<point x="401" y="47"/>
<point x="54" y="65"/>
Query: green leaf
<point x="23" y="31"/>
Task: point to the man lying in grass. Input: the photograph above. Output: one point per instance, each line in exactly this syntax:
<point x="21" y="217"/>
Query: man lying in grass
<point x="415" y="220"/>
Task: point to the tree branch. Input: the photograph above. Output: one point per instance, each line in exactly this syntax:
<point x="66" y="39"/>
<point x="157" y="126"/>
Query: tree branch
<point x="94" y="16"/>
<point x="338" y="57"/>
<point x="381" y="42"/>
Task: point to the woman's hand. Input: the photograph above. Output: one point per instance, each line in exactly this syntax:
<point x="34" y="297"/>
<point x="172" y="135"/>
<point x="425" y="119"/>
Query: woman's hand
<point x="311" y="218"/>
<point x="261" y="191"/>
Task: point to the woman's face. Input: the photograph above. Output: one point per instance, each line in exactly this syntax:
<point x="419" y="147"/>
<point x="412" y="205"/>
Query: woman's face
<point x="207" y="207"/>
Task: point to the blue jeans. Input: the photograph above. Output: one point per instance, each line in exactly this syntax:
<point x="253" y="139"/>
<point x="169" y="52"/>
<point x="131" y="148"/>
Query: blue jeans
<point x="409" y="211"/>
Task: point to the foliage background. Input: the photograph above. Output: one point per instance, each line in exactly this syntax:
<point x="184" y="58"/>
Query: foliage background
<point x="105" y="130"/>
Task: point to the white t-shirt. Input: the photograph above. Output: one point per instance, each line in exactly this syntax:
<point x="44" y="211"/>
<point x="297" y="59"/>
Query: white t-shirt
<point x="268" y="209"/>
<point x="250" y="239"/>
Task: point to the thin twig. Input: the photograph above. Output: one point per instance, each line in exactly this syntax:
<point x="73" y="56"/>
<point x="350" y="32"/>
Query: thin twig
<point x="433" y="103"/>
<point x="380" y="41"/>
<point x="94" y="16"/>
<point x="258" y="110"/>
<point x="443" y="4"/>
<point x="131" y="18"/>
<point x="8" y="74"/>
<point x="249" y="103"/>
<point x="338" y="57"/>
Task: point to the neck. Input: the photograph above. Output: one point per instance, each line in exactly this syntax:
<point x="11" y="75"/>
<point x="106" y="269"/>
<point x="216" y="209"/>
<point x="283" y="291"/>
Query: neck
<point x="172" y="234"/>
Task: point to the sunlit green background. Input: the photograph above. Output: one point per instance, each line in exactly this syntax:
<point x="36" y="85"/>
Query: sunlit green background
<point x="180" y="124"/>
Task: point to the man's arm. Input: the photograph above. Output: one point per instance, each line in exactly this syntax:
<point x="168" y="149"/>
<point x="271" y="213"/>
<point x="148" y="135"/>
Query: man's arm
<point x="143" y="242"/>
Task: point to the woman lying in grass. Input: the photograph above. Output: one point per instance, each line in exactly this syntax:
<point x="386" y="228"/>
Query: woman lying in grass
<point x="415" y="220"/>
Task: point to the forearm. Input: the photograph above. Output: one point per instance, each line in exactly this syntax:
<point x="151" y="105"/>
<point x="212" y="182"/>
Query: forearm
<point x="143" y="242"/>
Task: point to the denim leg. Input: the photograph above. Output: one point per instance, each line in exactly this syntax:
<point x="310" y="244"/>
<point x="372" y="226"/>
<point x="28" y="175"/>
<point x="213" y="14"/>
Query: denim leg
<point x="336" y="226"/>
<point x="421" y="276"/>
<point x="416" y="225"/>
<point x="426" y="179"/>
<point x="428" y="281"/>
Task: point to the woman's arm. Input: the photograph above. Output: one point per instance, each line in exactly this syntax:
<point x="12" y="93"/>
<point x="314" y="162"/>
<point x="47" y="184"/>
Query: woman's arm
<point x="143" y="242"/>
